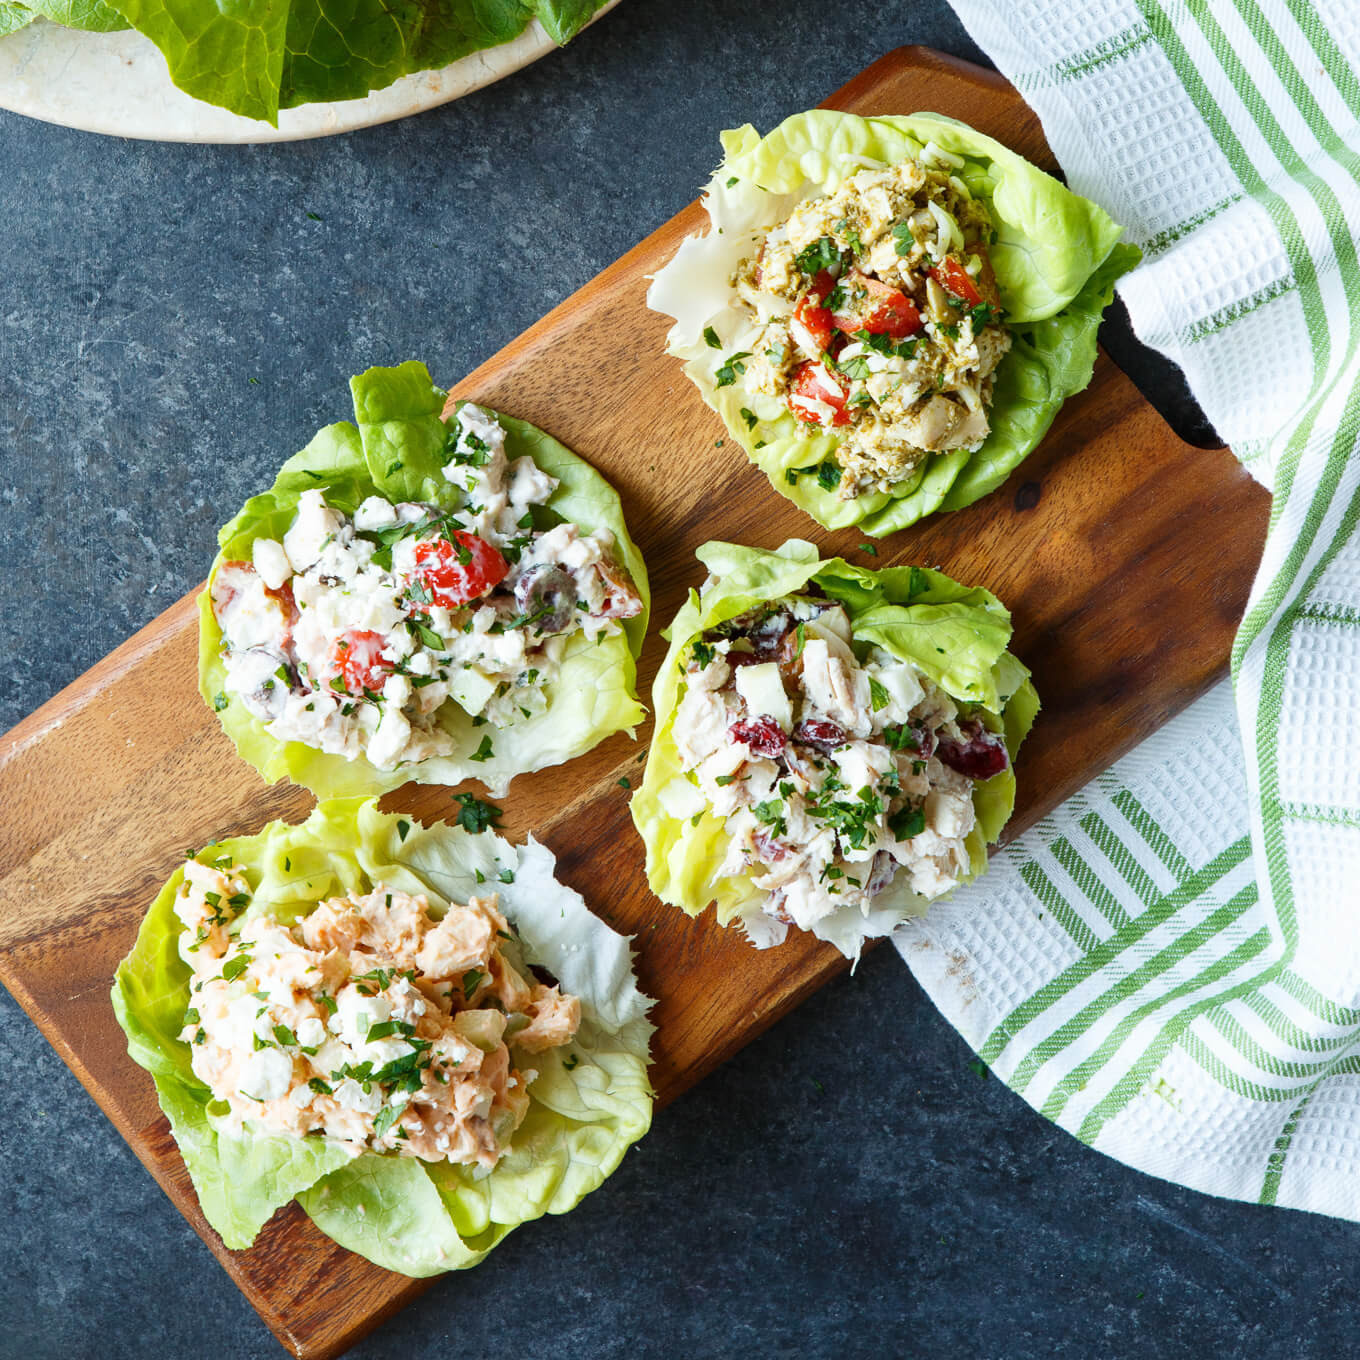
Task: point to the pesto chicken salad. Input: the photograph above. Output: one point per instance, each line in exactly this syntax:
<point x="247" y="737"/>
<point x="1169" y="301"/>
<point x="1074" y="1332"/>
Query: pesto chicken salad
<point x="834" y="745"/>
<point x="417" y="1031"/>
<point x="421" y="598"/>
<point x="887" y="313"/>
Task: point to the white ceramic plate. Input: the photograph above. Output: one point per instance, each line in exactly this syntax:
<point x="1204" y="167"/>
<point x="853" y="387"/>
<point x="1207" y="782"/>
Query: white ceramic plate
<point x="117" y="83"/>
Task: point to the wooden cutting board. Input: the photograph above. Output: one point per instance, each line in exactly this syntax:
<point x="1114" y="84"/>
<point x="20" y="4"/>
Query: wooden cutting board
<point x="1125" y="555"/>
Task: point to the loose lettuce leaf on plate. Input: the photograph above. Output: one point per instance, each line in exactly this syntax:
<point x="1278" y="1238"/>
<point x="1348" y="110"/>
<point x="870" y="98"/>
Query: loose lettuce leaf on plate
<point x="407" y="1215"/>
<point x="14" y="16"/>
<point x="1056" y="260"/>
<point x="956" y="635"/>
<point x="396" y="450"/>
<point x="94" y="16"/>
<point x="254" y="57"/>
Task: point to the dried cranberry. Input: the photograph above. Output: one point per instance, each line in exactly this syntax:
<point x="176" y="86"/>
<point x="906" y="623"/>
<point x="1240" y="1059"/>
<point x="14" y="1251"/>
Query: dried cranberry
<point x="979" y="756"/>
<point x="735" y="659"/>
<point x="770" y="850"/>
<point x="821" y="734"/>
<point x="763" y="735"/>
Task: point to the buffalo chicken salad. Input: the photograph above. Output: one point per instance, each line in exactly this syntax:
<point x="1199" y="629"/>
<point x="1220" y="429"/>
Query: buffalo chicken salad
<point x="416" y="1031"/>
<point x="425" y="598"/>
<point x="368" y="1022"/>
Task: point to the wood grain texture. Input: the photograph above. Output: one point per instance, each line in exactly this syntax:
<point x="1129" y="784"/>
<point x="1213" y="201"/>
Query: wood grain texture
<point x="1125" y="555"/>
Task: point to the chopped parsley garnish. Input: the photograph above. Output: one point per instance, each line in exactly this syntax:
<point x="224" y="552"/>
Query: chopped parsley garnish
<point x="731" y="180"/>
<point x="403" y="829"/>
<point x="907" y="822"/>
<point x="868" y="548"/>
<point x="471" y="981"/>
<point x="881" y="344"/>
<point x="901" y="738"/>
<point x="506" y="876"/>
<point x="822" y="254"/>
<point x="726" y="374"/>
<point x="828" y="474"/>
<point x="852" y="821"/>
<point x="235" y="966"/>
<point x="624" y="783"/>
<point x="320" y="1087"/>
<point x="903" y="240"/>
<point x="702" y="654"/>
<point x="484" y="751"/>
<point x="385" y="1029"/>
<point x="771" y="814"/>
<point x="711" y="338"/>
<point x="723" y="780"/>
<point x="984" y="314"/>
<point x="750" y="418"/>
<point x="473" y="814"/>
<point x="285" y="1036"/>
<point x="220" y="701"/>
<point x="855" y="369"/>
<point x="387" y="1116"/>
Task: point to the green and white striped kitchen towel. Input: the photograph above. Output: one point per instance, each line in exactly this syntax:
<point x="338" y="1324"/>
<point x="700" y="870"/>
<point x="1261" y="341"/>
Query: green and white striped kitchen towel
<point x="1169" y="966"/>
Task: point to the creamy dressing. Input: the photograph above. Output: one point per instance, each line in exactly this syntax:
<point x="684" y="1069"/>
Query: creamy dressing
<point x="369" y="1021"/>
<point x="834" y="775"/>
<point x="352" y="633"/>
<point x="892" y="391"/>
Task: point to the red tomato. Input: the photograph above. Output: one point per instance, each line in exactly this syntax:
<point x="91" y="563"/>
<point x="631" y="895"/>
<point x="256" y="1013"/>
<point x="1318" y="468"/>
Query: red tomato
<point x="458" y="570"/>
<point x="358" y="660"/>
<point x="955" y="279"/>
<point x="877" y="307"/>
<point x="812" y="315"/>
<point x="810" y="384"/>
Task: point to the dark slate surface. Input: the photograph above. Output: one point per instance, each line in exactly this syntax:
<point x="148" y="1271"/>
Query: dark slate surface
<point x="176" y="320"/>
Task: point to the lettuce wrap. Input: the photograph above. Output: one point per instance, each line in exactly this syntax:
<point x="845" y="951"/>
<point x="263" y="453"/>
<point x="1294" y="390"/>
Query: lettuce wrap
<point x="955" y="635"/>
<point x="396" y="449"/>
<point x="257" y="57"/>
<point x="1055" y="255"/>
<point x="589" y="1102"/>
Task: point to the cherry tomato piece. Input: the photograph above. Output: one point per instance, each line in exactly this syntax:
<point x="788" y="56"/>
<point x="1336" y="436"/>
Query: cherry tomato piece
<point x="357" y="659"/>
<point x="809" y="387"/>
<point x="873" y="306"/>
<point x="812" y="315"/>
<point x="459" y="569"/>
<point x="955" y="279"/>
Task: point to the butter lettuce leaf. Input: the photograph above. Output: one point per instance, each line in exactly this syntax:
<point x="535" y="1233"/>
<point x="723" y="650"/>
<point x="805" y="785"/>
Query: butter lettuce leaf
<point x="92" y="15"/>
<point x="254" y="57"/>
<point x="955" y="634"/>
<point x="590" y="1101"/>
<point x="396" y="450"/>
<point x="14" y="16"/>
<point x="1056" y="260"/>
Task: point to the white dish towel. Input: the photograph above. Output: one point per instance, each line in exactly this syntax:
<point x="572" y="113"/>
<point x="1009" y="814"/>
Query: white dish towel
<point x="1169" y="965"/>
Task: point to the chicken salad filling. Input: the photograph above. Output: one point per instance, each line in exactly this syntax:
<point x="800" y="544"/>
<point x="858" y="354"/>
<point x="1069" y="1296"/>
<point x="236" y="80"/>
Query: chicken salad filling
<point x="352" y="631"/>
<point x="369" y="1021"/>
<point x="833" y="771"/>
<point x="874" y="314"/>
